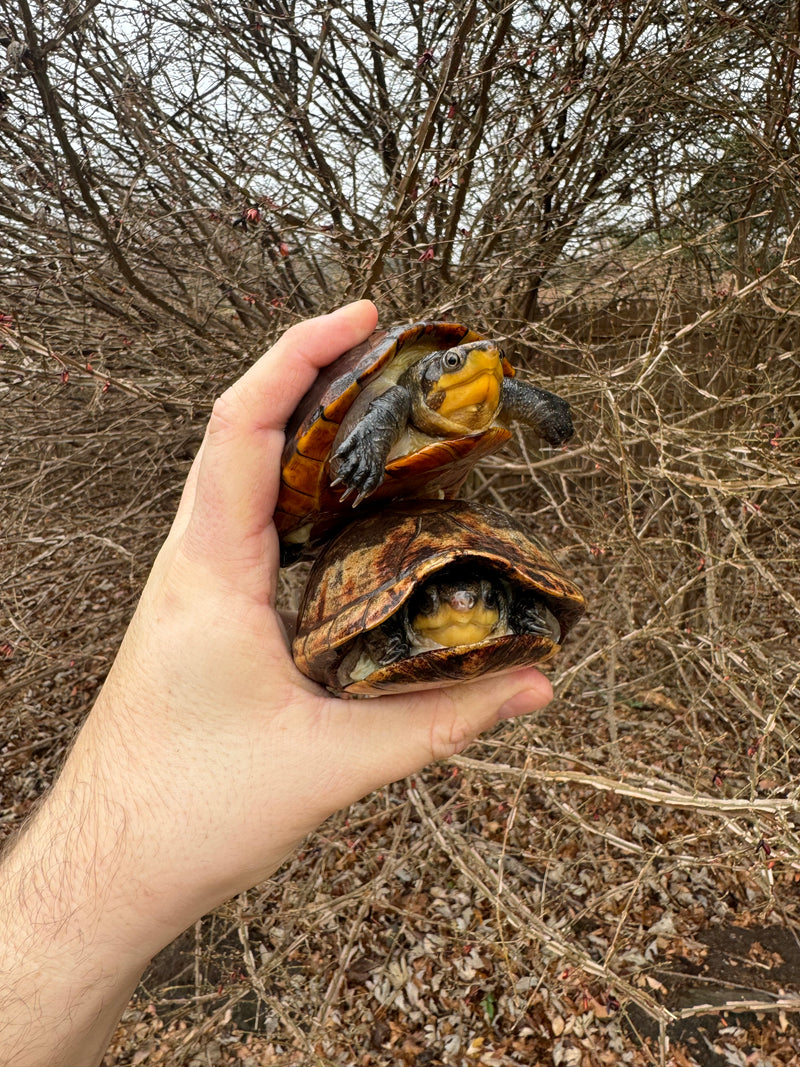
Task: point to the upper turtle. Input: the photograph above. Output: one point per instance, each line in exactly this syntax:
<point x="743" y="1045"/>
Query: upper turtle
<point x="407" y="413"/>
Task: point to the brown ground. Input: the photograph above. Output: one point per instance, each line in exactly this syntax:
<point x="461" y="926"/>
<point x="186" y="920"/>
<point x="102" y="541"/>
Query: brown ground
<point x="614" y="881"/>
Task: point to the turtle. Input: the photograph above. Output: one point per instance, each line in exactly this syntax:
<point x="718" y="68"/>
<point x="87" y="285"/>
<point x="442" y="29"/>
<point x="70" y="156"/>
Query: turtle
<point x="405" y="414"/>
<point x="425" y="593"/>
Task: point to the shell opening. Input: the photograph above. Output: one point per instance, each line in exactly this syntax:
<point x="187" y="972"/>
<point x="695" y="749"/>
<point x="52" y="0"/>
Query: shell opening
<point x="458" y="608"/>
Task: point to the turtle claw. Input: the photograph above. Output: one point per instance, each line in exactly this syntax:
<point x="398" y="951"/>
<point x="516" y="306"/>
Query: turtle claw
<point x="348" y="489"/>
<point x="354" y="467"/>
<point x="529" y="616"/>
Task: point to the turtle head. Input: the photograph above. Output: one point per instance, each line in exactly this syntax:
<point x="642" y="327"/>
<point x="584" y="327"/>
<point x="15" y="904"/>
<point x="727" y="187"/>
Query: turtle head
<point x="456" y="391"/>
<point x="459" y="605"/>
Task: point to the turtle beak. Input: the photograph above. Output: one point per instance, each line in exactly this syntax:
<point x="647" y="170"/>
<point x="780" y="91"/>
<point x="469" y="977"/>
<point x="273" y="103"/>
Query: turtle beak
<point x="462" y="600"/>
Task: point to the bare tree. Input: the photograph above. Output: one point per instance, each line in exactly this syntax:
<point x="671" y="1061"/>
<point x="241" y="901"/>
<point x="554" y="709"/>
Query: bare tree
<point x="194" y="168"/>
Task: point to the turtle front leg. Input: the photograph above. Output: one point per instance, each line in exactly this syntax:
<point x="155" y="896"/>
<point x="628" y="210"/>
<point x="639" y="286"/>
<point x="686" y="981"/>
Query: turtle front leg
<point x="545" y="412"/>
<point x="527" y="615"/>
<point x="360" y="460"/>
<point x="388" y="643"/>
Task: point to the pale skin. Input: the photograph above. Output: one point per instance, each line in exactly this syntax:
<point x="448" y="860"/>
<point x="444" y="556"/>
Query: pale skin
<point x="207" y="757"/>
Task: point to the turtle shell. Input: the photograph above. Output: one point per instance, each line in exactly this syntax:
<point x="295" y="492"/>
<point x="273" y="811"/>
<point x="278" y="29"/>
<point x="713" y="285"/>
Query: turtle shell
<point x="308" y="507"/>
<point x="374" y="566"/>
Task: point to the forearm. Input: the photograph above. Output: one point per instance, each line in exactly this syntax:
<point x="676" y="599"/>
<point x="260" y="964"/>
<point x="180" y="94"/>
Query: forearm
<point x="67" y="966"/>
<point x="124" y="853"/>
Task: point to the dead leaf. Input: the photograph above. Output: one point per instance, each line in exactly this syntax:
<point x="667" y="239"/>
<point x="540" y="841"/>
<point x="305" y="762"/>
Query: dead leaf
<point x="654" y="698"/>
<point x="655" y="984"/>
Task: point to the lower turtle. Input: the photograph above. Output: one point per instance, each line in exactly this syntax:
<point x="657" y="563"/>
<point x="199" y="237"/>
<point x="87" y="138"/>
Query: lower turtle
<point x="427" y="593"/>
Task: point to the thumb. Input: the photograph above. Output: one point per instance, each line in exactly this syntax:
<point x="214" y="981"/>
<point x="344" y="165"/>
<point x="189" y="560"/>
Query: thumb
<point x="398" y="735"/>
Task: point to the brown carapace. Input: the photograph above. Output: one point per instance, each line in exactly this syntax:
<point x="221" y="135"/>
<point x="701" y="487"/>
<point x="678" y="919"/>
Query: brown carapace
<point x="357" y="621"/>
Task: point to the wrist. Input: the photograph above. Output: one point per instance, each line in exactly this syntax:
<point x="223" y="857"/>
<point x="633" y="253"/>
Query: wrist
<point x="69" y="950"/>
<point x="167" y="816"/>
<point x="76" y="876"/>
<point x="119" y="868"/>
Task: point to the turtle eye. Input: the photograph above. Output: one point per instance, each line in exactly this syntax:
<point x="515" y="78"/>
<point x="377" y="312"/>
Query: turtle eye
<point x="427" y="600"/>
<point x="452" y="360"/>
<point x="489" y="596"/>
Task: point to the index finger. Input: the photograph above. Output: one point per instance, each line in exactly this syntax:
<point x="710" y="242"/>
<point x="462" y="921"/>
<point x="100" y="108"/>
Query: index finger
<point x="238" y="474"/>
<point x="271" y="389"/>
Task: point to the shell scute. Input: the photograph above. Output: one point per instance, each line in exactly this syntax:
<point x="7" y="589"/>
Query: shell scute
<point x="446" y="666"/>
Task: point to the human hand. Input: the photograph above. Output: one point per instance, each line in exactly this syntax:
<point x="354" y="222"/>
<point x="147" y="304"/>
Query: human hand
<point x="207" y="757"/>
<point x="233" y="755"/>
<point x="229" y="751"/>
